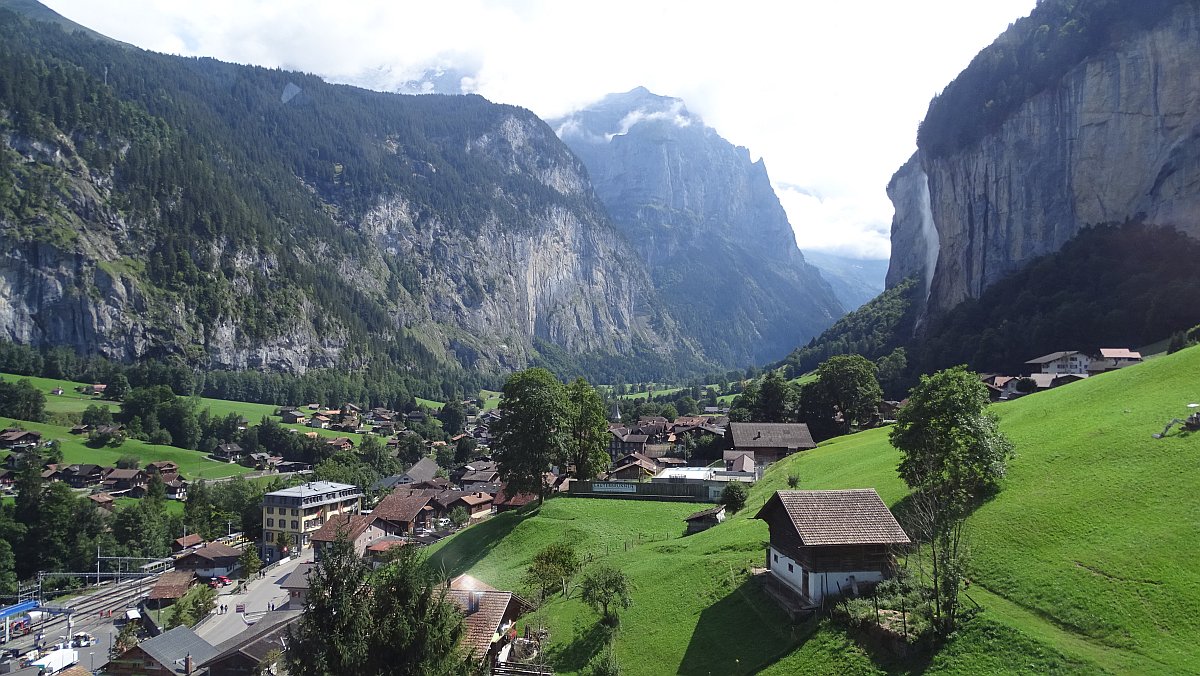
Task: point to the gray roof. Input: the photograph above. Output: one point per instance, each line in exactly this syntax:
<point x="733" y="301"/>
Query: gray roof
<point x="298" y="578"/>
<point x="256" y="642"/>
<point x="1053" y="356"/>
<point x="313" y="488"/>
<point x="169" y="649"/>
<point x="424" y="470"/>
<point x="771" y="435"/>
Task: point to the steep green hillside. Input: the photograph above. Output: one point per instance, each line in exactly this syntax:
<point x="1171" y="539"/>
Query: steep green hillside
<point x="1081" y="563"/>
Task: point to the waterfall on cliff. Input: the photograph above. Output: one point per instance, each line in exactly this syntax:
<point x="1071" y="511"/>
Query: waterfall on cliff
<point x="929" y="234"/>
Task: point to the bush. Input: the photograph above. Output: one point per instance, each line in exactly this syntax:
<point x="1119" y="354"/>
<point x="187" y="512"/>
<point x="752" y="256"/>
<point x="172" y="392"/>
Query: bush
<point x="793" y="481"/>
<point x="128" y="462"/>
<point x="160" y="437"/>
<point x="734" y="496"/>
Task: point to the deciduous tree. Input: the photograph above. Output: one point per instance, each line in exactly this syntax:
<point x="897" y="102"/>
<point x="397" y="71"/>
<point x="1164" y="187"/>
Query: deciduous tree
<point x="952" y="453"/>
<point x="531" y="433"/>
<point x="605" y="589"/>
<point x="587" y="430"/>
<point x="850" y="382"/>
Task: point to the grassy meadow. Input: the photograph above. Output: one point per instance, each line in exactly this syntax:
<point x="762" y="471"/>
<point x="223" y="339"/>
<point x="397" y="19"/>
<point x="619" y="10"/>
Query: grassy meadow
<point x="1081" y="564"/>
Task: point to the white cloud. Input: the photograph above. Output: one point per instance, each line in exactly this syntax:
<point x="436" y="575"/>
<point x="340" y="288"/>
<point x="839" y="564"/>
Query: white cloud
<point x="829" y="94"/>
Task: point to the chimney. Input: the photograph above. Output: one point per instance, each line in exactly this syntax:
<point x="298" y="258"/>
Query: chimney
<point x="187" y="665"/>
<point x="758" y="435"/>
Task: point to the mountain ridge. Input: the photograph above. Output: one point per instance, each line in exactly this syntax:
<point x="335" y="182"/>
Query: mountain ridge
<point x="705" y="221"/>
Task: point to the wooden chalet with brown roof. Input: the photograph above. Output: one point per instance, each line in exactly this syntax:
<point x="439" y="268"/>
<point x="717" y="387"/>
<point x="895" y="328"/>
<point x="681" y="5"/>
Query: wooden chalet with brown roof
<point x="167" y="470"/>
<point x="406" y="510"/>
<point x="828" y="543"/>
<point x="359" y="529"/>
<point x="17" y="439"/>
<point x="705" y="519"/>
<point x="489" y="617"/>
<point x="171" y="586"/>
<point x="770" y="442"/>
<point x="211" y="560"/>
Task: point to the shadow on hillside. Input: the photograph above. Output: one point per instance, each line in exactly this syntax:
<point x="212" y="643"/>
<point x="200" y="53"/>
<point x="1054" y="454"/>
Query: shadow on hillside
<point x="473" y="544"/>
<point x="576" y="655"/>
<point x="741" y="633"/>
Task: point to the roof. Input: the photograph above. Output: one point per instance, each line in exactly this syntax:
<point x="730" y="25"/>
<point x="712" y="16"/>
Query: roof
<point x="353" y="525"/>
<point x="474" y="499"/>
<point x="1119" y="353"/>
<point x="771" y="435"/>
<point x="743" y="463"/>
<point x="213" y="551"/>
<point x="482" y="476"/>
<point x="482" y="624"/>
<point x="711" y="511"/>
<point x="170" y="648"/>
<point x="258" y="641"/>
<point x="470" y="583"/>
<point x="424" y="470"/>
<point x="119" y="474"/>
<point x="298" y="578"/>
<point x="846" y="517"/>
<point x="172" y="584"/>
<point x="101" y="498"/>
<point x="1053" y="356"/>
<point x="401" y="507"/>
<point x="313" y="488"/>
<point x="188" y="541"/>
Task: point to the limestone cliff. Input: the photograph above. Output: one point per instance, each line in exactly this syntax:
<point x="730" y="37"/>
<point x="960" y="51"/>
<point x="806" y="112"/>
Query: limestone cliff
<point x="1115" y="138"/>
<point x="235" y="217"/>
<point x="706" y="222"/>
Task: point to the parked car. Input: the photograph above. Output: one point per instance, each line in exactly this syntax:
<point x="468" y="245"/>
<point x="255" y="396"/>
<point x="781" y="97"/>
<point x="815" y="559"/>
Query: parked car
<point x="225" y="581"/>
<point x="443" y="523"/>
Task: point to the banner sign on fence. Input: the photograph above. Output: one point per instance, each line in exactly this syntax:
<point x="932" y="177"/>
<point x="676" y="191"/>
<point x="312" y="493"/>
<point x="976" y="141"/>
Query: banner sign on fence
<point x="611" y="487"/>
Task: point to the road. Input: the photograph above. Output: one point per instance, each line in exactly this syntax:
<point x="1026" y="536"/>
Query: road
<point x="257" y="597"/>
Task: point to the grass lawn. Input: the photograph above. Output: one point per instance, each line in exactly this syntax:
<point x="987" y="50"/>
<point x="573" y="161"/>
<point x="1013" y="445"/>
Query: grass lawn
<point x="491" y="399"/>
<point x="173" y="507"/>
<point x="429" y="403"/>
<point x="192" y="464"/>
<point x="1082" y="563"/>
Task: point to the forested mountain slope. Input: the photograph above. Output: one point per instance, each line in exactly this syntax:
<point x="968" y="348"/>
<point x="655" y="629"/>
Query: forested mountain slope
<point x="237" y="217"/>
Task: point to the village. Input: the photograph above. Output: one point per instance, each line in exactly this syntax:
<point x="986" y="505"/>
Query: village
<point x="822" y="544"/>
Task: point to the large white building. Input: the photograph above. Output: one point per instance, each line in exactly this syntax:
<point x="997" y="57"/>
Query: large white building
<point x="301" y="510"/>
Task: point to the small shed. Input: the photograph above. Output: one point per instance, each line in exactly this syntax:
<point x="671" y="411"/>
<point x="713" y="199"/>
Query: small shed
<point x="705" y="519"/>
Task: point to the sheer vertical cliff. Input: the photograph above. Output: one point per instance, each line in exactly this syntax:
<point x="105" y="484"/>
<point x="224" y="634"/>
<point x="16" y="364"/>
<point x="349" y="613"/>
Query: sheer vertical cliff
<point x="706" y="222"/>
<point x="1111" y="138"/>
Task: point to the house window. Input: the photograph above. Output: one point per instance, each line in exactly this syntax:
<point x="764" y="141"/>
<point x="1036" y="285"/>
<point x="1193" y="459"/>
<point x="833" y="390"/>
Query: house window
<point x="776" y="557"/>
<point x="295" y="512"/>
<point x="295" y="525"/>
<point x="270" y="536"/>
<point x="270" y="523"/>
<point x="790" y="569"/>
<point x="270" y="510"/>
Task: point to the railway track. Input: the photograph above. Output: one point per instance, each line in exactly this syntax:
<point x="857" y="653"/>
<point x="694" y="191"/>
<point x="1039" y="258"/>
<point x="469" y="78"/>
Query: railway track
<point x="115" y="597"/>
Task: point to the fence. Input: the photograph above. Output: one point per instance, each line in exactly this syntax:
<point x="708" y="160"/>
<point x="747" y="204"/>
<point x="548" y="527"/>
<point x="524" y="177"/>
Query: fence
<point x="630" y="490"/>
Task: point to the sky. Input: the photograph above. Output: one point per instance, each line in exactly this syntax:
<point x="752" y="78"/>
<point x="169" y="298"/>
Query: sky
<point x="829" y="94"/>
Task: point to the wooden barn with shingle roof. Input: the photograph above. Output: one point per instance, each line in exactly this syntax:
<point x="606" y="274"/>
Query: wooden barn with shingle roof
<point x="829" y="542"/>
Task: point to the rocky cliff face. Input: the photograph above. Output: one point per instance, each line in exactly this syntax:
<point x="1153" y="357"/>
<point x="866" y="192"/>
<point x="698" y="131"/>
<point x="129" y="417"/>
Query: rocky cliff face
<point x="1117" y="139"/>
<point x="705" y="221"/>
<point x="187" y="209"/>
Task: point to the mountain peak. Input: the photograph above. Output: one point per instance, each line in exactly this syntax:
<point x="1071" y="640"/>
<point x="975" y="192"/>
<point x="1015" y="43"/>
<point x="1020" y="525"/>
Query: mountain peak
<point x="616" y="114"/>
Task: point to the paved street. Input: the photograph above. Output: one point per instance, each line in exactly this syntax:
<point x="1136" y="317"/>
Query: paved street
<point x="259" y="593"/>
